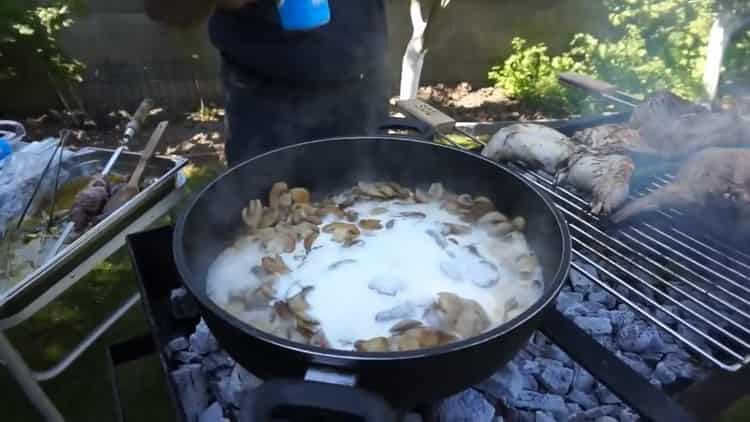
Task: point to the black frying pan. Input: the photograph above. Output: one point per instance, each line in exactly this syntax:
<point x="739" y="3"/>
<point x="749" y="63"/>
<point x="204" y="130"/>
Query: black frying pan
<point x="405" y="379"/>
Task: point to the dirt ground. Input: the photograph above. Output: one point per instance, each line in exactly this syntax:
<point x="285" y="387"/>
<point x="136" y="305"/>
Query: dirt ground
<point x="199" y="135"/>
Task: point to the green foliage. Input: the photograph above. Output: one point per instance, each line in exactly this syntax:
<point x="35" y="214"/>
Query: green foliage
<point x="28" y="39"/>
<point x="652" y="45"/>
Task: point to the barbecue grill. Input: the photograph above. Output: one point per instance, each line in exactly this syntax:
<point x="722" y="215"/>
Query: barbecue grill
<point x="671" y="270"/>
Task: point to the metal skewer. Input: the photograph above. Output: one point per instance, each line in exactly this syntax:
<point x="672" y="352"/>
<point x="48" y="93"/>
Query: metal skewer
<point x="139" y="117"/>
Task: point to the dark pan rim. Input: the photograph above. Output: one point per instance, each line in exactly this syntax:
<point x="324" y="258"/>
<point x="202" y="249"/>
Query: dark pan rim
<point x="540" y="305"/>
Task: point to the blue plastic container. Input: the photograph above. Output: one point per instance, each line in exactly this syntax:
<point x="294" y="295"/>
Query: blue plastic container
<point x="5" y="149"/>
<point x="302" y="15"/>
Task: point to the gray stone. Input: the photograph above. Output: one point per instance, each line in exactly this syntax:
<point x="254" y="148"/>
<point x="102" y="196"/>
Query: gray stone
<point x="183" y="304"/>
<point x="599" y="411"/>
<point x="627" y="415"/>
<point x="544" y="362"/>
<point x="568" y="299"/>
<point x="605" y="419"/>
<point x="621" y="318"/>
<point x="691" y="336"/>
<point x="599" y="295"/>
<point x="665" y="317"/>
<point x="636" y="363"/>
<point x="187" y="357"/>
<point x="627" y="336"/>
<point x="664" y="373"/>
<point x="652" y="358"/>
<point x="582" y="380"/>
<point x="540" y="416"/>
<point x="624" y="291"/>
<point x="650" y="341"/>
<point x="605" y="396"/>
<point x="552" y="351"/>
<point x="524" y="416"/>
<point x="579" y="281"/>
<point x="217" y="360"/>
<point x="498" y="418"/>
<point x="505" y="384"/>
<point x="531" y="367"/>
<point x="190" y="384"/>
<point x="574" y="408"/>
<point x="594" y="325"/>
<point x="212" y="414"/>
<point x="574" y="310"/>
<point x="222" y="391"/>
<point x="606" y="341"/>
<point x="530" y="383"/>
<point x="468" y="406"/>
<point x="202" y="341"/>
<point x="177" y="344"/>
<point x="240" y="381"/>
<point x="585" y="400"/>
<point x="551" y="403"/>
<point x="680" y="367"/>
<point x="556" y="380"/>
<point x="592" y="309"/>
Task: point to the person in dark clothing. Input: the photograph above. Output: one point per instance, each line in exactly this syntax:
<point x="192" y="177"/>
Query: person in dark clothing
<point x="284" y="87"/>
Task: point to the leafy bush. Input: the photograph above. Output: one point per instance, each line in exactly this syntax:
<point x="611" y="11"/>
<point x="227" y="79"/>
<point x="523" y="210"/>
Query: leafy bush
<point x="28" y="39"/>
<point x="654" y="44"/>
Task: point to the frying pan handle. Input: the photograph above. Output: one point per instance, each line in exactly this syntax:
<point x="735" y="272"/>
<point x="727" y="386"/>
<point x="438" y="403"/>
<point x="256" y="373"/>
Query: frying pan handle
<point x="260" y="403"/>
<point x="421" y="130"/>
<point x="586" y="83"/>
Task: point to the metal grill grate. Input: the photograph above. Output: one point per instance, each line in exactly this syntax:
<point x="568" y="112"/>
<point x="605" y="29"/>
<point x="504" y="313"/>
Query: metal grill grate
<point x="694" y="287"/>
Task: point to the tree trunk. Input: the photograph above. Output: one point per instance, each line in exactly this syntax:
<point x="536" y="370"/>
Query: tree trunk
<point x="416" y="50"/>
<point x="718" y="40"/>
<point x="724" y="28"/>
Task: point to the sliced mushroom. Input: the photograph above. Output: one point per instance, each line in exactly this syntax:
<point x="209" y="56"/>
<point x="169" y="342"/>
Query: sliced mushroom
<point x="436" y="191"/>
<point x="422" y="338"/>
<point x="270" y="217"/>
<point x="421" y="196"/>
<point x="527" y="266"/>
<point x="319" y="339"/>
<point x="282" y="243"/>
<point x="493" y="218"/>
<point x="405" y="325"/>
<point x="386" y="190"/>
<point x="465" y="200"/>
<point x="336" y="265"/>
<point x="300" y="195"/>
<point x="509" y="306"/>
<point x="377" y="344"/>
<point x="370" y="224"/>
<point x="390" y="224"/>
<point x="519" y="223"/>
<point x="472" y="320"/>
<point x="274" y="197"/>
<point x="454" y="229"/>
<point x="351" y="216"/>
<point x="402" y="311"/>
<point x="252" y="214"/>
<point x="310" y="240"/>
<point x="342" y="232"/>
<point x="413" y="214"/>
<point x="283" y="311"/>
<point x="371" y="189"/>
<point x="298" y="303"/>
<point x="274" y="265"/>
<point x="378" y="211"/>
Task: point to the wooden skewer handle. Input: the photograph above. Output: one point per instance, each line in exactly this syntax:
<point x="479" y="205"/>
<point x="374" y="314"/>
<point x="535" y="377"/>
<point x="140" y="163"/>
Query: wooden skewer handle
<point x="147" y="153"/>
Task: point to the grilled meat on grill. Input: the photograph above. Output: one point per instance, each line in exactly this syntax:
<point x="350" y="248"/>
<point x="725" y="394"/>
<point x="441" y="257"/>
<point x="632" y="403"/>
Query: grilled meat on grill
<point x="612" y="139"/>
<point x="607" y="177"/>
<point x="714" y="177"/>
<point x="662" y="106"/>
<point x="538" y="146"/>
